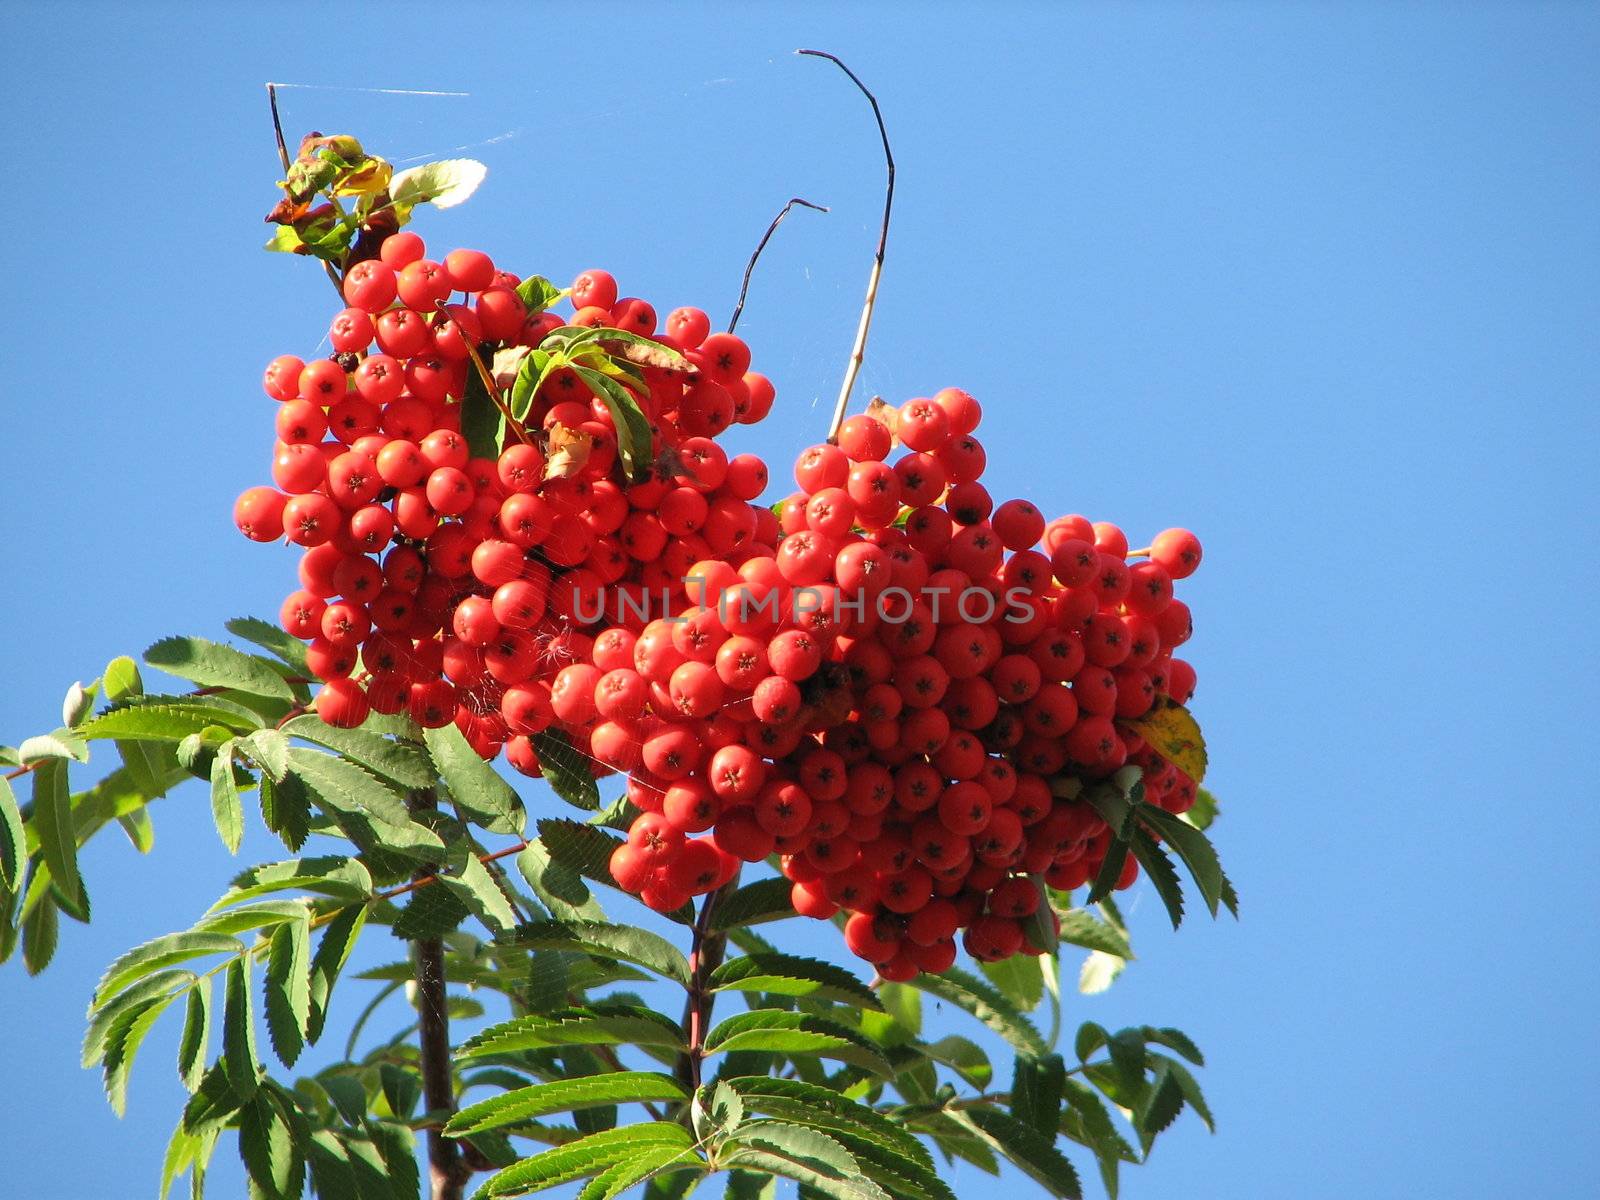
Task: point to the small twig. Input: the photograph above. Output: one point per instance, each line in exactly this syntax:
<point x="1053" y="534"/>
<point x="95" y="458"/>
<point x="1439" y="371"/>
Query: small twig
<point x="424" y="880"/>
<point x="705" y="956"/>
<point x="283" y="157"/>
<point x="25" y="768"/>
<point x="750" y="267"/>
<point x="858" y="352"/>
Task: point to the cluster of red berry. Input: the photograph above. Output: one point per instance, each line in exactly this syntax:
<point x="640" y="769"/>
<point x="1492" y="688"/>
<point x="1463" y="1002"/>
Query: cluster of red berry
<point x="889" y="682"/>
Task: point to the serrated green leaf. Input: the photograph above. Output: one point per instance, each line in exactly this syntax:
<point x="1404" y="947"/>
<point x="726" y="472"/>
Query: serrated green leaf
<point x="405" y="766"/>
<point x="635" y="439"/>
<point x="264" y="914"/>
<point x="1082" y="928"/>
<point x="615" y="1180"/>
<point x="226" y="810"/>
<point x="196" y="1034"/>
<point x="796" y="1033"/>
<point x="558" y="887"/>
<point x="287" y="991"/>
<point x="40" y="930"/>
<point x="814" y="1159"/>
<point x="1162" y="874"/>
<point x="1196" y="851"/>
<point x="1036" y="1087"/>
<point x="269" y="637"/>
<point x="1036" y="1156"/>
<point x="57" y="832"/>
<point x="584" y="1157"/>
<point x="158" y="954"/>
<point x="565" y="770"/>
<point x="793" y="1100"/>
<point x="168" y="722"/>
<point x="431" y="913"/>
<point x="1163" y="1101"/>
<point x="140" y="829"/>
<point x="964" y="1056"/>
<point x="1190" y="1087"/>
<point x="327" y="875"/>
<point x="443" y="184"/>
<point x="788" y="975"/>
<point x="753" y="904"/>
<point x="565" y="1095"/>
<point x="475" y="786"/>
<point x="266" y="1145"/>
<point x="123" y="1039"/>
<point x="984" y="1002"/>
<point x="270" y="750"/>
<point x="333" y="951"/>
<point x="751" y="1185"/>
<point x="630" y="944"/>
<point x="63" y="743"/>
<point x="1018" y="978"/>
<point x="239" y="1058"/>
<point x="101" y="1020"/>
<point x="13" y="840"/>
<point x="476" y="887"/>
<point x="212" y="664"/>
<point x="593" y="1025"/>
<point x="537" y="293"/>
<point x="342" y="786"/>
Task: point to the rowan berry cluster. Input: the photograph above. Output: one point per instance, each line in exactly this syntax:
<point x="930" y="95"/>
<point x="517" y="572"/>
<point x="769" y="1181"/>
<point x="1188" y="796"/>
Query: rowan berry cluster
<point x="889" y="682"/>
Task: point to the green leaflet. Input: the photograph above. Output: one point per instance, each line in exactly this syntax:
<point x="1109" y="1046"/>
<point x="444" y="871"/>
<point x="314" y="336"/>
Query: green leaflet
<point x="94" y="1038"/>
<point x="329" y="875"/>
<point x="593" y="1025"/>
<point x="1036" y="1156"/>
<point x="196" y="1034"/>
<point x="268" y="636"/>
<point x="171" y="721"/>
<point x="13" y="841"/>
<point x="630" y="944"/>
<point x="211" y="664"/>
<point x="403" y="765"/>
<point x="797" y="1034"/>
<point x="287" y="992"/>
<point x="344" y="787"/>
<point x="787" y="975"/>
<point x="986" y="1004"/>
<point x="475" y="785"/>
<point x="584" y="1157"/>
<point x="566" y="770"/>
<point x="1083" y="928"/>
<point x="617" y="1179"/>
<point x="475" y="886"/>
<point x="793" y="1100"/>
<point x="58" y="835"/>
<point x="158" y="954"/>
<point x="753" y="904"/>
<point x="226" y="809"/>
<point x="1159" y="870"/>
<point x="122" y="1042"/>
<point x="565" y="1095"/>
<point x="239" y="1059"/>
<point x="1198" y="855"/>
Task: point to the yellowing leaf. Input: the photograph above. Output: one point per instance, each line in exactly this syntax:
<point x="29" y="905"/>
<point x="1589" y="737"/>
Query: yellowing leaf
<point x="1174" y="734"/>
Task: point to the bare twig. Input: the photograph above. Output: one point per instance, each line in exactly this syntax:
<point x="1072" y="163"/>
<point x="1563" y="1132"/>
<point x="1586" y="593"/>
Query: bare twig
<point x="283" y="157"/>
<point x="750" y="267"/>
<point x="858" y="352"/>
<point x="705" y="956"/>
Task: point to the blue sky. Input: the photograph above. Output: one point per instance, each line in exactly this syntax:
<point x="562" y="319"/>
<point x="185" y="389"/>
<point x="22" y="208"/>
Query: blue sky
<point x="1318" y="282"/>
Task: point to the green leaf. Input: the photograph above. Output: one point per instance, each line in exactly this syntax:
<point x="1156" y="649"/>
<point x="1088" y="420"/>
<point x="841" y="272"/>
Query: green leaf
<point x="594" y="1025"/>
<point x="432" y="913"/>
<point x="560" y="888"/>
<point x="565" y="1095"/>
<point x="157" y="955"/>
<point x="196" y="1033"/>
<point x="586" y="849"/>
<point x="787" y="975"/>
<point x="1019" y="979"/>
<point x="751" y="1185"/>
<point x="270" y="750"/>
<point x="1099" y="972"/>
<point x="1163" y="1101"/>
<point x="269" y="637"/>
<point x="755" y="903"/>
<point x="288" y="987"/>
<point x="477" y="888"/>
<point x="538" y="293"/>
<point x="121" y="679"/>
<point x="101" y="1021"/>
<point x="226" y="809"/>
<point x="635" y="439"/>
<point x="1036" y="1156"/>
<point x="344" y="787"/>
<point x="1162" y="874"/>
<point x="475" y="785"/>
<point x="77" y="703"/>
<point x="166" y="722"/>
<point x="1196" y="851"/>
<point x="58" y="836"/>
<point x="903" y="1004"/>
<point x="239" y="1058"/>
<point x="403" y="765"/>
<point x="584" y="1157"/>
<point x="1083" y="928"/>
<point x="141" y="830"/>
<point x="212" y="664"/>
<point x="1036" y="1087"/>
<point x="328" y="875"/>
<point x="986" y="1003"/>
<point x="1189" y="1086"/>
<point x="333" y="951"/>
<point x="13" y="840"/>
<point x="40" y="929"/>
<point x="443" y="184"/>
<point x="266" y="1145"/>
<point x="627" y="943"/>
<point x="825" y="1108"/>
<point x="814" y="1159"/>
<point x="63" y="743"/>
<point x="123" y="1040"/>
<point x="963" y="1056"/>
<point x="796" y="1033"/>
<point x="565" y="770"/>
<point x="617" y="1179"/>
<point x="1110" y="872"/>
<point x="1040" y="927"/>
